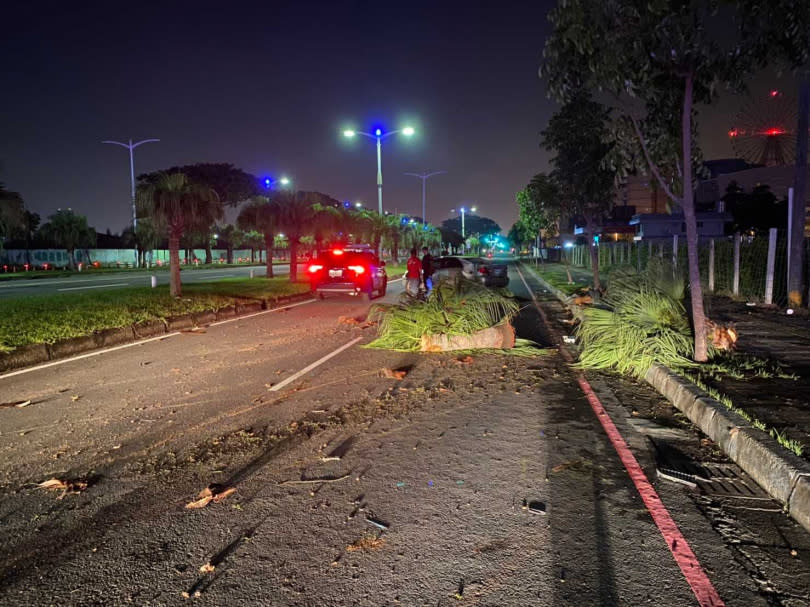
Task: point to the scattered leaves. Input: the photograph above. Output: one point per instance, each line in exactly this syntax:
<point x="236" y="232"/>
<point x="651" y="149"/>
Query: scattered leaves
<point x="75" y="397"/>
<point x="212" y="493"/>
<point x="394" y="373"/>
<point x="366" y="544"/>
<point x="56" y="484"/>
<point x="207" y="568"/>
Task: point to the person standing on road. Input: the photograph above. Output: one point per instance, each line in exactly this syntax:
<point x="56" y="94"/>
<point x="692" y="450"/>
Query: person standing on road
<point x="427" y="269"/>
<point x="414" y="275"/>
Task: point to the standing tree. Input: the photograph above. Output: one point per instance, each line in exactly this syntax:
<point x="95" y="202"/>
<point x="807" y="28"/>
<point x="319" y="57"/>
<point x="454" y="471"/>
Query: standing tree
<point x="12" y="214"/>
<point x="70" y="232"/>
<point x="261" y="215"/>
<point x="538" y="205"/>
<point x="180" y="205"/>
<point x="29" y="227"/>
<point x="232" y="237"/>
<point x="373" y="227"/>
<point x="578" y="136"/>
<point x="666" y="55"/>
<point x="296" y="214"/>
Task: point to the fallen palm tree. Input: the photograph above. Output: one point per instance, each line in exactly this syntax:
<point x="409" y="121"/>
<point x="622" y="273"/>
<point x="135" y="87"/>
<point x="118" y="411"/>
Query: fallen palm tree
<point x="458" y="314"/>
<point x="641" y="321"/>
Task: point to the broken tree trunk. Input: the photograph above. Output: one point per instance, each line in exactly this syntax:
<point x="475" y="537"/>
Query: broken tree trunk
<point x="501" y="336"/>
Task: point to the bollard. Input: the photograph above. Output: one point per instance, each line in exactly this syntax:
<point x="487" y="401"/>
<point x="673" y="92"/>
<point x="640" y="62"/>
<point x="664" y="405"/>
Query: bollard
<point x="252" y="273"/>
<point x="154" y="281"/>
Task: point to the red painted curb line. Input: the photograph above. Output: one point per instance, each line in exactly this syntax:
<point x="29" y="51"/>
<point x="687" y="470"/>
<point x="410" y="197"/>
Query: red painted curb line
<point x="691" y="568"/>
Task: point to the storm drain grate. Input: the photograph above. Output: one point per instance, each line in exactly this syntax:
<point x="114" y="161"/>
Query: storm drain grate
<point x="726" y="480"/>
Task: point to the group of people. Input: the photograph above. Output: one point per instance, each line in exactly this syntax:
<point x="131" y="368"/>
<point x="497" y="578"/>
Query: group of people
<point x="420" y="272"/>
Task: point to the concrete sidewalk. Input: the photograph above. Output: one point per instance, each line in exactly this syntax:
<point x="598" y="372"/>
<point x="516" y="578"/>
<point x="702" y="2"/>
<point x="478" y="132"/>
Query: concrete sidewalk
<point x="781" y="403"/>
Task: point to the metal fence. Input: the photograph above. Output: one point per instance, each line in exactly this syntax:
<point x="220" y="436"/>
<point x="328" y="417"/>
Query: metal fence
<point x="753" y="268"/>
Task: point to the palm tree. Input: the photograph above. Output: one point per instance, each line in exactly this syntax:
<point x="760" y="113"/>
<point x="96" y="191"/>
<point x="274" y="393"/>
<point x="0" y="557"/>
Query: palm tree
<point x="373" y="227"/>
<point x="181" y="205"/>
<point x="261" y="215"/>
<point x="326" y="223"/>
<point x="296" y="213"/>
<point x="253" y="240"/>
<point x="12" y="213"/>
<point x="30" y="226"/>
<point x="394" y="234"/>
<point x="231" y="237"/>
<point x="69" y="231"/>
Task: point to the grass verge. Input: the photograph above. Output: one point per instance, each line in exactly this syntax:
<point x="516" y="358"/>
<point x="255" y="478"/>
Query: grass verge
<point x="555" y="275"/>
<point x="47" y="319"/>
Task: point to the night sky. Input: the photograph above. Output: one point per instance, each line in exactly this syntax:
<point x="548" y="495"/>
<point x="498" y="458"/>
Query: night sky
<point x="270" y="87"/>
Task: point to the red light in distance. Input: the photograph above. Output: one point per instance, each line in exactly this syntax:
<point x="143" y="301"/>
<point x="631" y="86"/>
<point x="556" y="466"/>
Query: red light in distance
<point x="774" y="131"/>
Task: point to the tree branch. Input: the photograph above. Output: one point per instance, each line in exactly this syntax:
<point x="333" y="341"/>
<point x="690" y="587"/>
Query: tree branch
<point x="650" y="163"/>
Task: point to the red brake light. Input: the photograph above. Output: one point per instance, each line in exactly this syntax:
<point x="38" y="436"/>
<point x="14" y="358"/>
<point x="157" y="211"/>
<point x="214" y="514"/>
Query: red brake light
<point x="483" y="270"/>
<point x="337" y="251"/>
<point x="357" y="269"/>
<point x="314" y="268"/>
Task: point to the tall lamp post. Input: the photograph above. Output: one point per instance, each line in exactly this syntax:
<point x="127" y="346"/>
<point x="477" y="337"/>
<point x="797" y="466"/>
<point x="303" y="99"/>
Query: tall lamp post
<point x="424" y="177"/>
<point x="378" y="135"/>
<point x="131" y="146"/>
<point x="463" y="212"/>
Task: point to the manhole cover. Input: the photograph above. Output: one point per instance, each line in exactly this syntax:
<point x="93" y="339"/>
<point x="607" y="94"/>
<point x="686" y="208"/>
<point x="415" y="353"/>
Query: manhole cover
<point x="715" y="479"/>
<point x="726" y="480"/>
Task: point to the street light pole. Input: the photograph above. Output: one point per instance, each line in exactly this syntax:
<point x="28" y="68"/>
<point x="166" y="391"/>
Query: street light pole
<point x="424" y="177"/>
<point x="378" y="136"/>
<point x="379" y="172"/>
<point x="463" y="212"/>
<point x="131" y="146"/>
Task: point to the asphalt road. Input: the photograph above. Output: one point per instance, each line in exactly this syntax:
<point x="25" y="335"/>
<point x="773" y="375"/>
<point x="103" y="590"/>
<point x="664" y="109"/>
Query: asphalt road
<point x="88" y="282"/>
<point x="353" y="487"/>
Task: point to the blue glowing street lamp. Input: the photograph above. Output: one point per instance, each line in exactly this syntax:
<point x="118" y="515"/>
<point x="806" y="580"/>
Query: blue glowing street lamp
<point x="378" y="135"/>
<point x="269" y="183"/>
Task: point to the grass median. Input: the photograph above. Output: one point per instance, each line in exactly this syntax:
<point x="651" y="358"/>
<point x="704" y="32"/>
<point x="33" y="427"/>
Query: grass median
<point x="48" y="319"/>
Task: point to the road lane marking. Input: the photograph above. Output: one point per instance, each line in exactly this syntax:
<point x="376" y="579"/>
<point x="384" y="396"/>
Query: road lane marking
<point x="207" y="276"/>
<point x="62" y="361"/>
<point x="117" y="284"/>
<point x="279" y="309"/>
<point x="31" y="282"/>
<point x="317" y="363"/>
<point x="685" y="558"/>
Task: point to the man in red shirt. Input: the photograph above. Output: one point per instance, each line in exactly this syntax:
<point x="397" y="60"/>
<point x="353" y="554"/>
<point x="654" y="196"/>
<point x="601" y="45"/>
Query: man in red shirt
<point x="413" y="277"/>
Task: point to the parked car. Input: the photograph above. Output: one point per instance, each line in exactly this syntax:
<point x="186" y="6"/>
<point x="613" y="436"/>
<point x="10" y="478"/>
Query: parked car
<point x="489" y="273"/>
<point x="353" y="270"/>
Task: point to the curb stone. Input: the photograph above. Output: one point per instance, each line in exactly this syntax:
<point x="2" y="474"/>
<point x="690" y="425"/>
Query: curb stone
<point x="25" y="356"/>
<point x="782" y="474"/>
<point x="149" y="328"/>
<point x="34" y="354"/>
<point x="178" y="323"/>
<point x="799" y="506"/>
